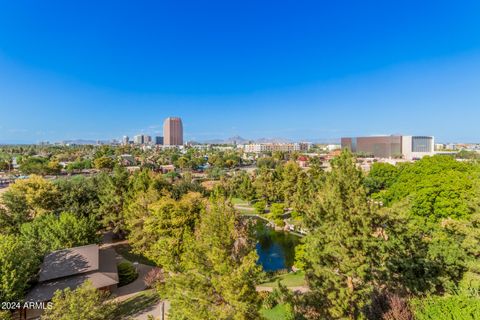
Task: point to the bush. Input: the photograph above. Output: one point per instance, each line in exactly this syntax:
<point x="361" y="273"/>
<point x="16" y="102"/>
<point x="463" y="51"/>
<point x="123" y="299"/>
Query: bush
<point x="5" y="315"/>
<point x="388" y="306"/>
<point x="277" y="209"/>
<point x="270" y="301"/>
<point x="126" y="273"/>
<point x="289" y="312"/>
<point x="260" y="207"/>
<point x="153" y="277"/>
<point x="279" y="223"/>
<point x="447" y="307"/>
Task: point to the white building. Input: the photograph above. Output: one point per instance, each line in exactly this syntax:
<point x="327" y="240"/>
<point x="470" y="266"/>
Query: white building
<point x="416" y="147"/>
<point x="272" y="147"/>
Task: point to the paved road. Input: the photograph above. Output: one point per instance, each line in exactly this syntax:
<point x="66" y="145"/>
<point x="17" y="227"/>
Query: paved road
<point x="130" y="290"/>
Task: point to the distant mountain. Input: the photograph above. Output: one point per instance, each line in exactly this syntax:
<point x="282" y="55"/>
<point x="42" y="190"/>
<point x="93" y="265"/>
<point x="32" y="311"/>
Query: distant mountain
<point x="240" y="140"/>
<point x="273" y="140"/>
<point x="82" y="142"/>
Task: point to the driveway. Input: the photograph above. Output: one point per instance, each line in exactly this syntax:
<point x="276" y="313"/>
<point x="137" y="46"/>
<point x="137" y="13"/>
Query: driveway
<point x="158" y="310"/>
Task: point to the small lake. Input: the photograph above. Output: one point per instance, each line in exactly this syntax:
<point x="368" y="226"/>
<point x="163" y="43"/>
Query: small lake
<point x="275" y="249"/>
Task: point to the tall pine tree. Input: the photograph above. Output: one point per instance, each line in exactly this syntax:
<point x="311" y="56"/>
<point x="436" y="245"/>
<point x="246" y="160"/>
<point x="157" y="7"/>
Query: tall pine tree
<point x="219" y="270"/>
<point x="343" y="246"/>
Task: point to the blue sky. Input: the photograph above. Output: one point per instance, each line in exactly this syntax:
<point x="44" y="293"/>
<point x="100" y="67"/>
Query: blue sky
<point x="304" y="70"/>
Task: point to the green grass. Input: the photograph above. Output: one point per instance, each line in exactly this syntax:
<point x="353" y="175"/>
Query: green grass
<point x="240" y="202"/>
<point x="245" y="211"/>
<point x="126" y="251"/>
<point x="291" y="279"/>
<point x="140" y="302"/>
<point x="276" y="313"/>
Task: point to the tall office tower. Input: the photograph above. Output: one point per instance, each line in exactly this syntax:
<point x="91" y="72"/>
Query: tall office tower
<point x="147" y="139"/>
<point x="173" y="132"/>
<point x="138" y="139"/>
<point x="125" y="140"/>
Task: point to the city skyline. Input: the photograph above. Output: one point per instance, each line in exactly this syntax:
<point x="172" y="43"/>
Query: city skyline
<point x="237" y="69"/>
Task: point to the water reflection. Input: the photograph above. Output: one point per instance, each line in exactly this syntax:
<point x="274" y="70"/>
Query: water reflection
<point x="275" y="249"/>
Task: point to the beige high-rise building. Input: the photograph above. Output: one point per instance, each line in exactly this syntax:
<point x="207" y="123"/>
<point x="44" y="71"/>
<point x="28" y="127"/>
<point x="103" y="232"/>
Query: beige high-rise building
<point x="173" y="132"/>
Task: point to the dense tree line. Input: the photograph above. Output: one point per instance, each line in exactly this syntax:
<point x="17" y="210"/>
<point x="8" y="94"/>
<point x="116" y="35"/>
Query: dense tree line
<point x="399" y="235"/>
<point x="399" y="240"/>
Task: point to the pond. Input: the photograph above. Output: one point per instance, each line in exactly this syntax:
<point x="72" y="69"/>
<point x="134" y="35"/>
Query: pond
<point x="275" y="249"/>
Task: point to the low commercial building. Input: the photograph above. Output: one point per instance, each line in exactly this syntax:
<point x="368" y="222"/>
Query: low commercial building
<point x="272" y="147"/>
<point x="394" y="146"/>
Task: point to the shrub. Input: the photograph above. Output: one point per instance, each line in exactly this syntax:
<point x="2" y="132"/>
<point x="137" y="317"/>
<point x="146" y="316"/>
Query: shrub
<point x="447" y="307"/>
<point x="277" y="210"/>
<point x="263" y="295"/>
<point x="388" y="306"/>
<point x="279" y="223"/>
<point x="289" y="312"/>
<point x="260" y="206"/>
<point x="270" y="301"/>
<point x="153" y="277"/>
<point x="126" y="273"/>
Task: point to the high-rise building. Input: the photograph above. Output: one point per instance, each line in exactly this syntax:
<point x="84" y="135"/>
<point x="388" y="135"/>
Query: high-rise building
<point x="173" y="132"/>
<point x="147" y="139"/>
<point x="125" y="140"/>
<point x="138" y="139"/>
<point x="159" y="140"/>
<point x="407" y="147"/>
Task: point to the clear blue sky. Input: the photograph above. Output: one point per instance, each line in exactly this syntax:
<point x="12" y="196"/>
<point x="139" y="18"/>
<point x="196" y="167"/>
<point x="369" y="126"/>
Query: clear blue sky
<point x="293" y="69"/>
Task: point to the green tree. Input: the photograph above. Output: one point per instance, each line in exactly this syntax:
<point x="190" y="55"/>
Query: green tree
<point x="112" y="195"/>
<point x="26" y="199"/>
<point x="260" y="207"/>
<point x="290" y="175"/>
<point x="18" y="264"/>
<point x="380" y="177"/>
<point x="50" y="232"/>
<point x="79" y="165"/>
<point x="438" y="187"/>
<point x="79" y="195"/>
<point x="104" y="163"/>
<point x="83" y="303"/>
<point x="267" y="185"/>
<point x="342" y="248"/>
<point x="219" y="270"/>
<point x="34" y="165"/>
<point x="277" y="210"/>
<point x="159" y="230"/>
<point x="447" y="307"/>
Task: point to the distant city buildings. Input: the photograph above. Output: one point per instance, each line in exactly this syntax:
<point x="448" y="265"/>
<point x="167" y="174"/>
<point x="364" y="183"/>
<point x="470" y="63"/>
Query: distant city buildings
<point x="138" y="139"/>
<point x="142" y="139"/>
<point x="173" y="135"/>
<point x="159" y="140"/>
<point x="173" y="131"/>
<point x="394" y="146"/>
<point x="272" y="147"/>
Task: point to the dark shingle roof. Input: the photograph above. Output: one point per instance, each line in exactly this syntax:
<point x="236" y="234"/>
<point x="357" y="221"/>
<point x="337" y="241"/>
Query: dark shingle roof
<point x="69" y="268"/>
<point x="68" y="262"/>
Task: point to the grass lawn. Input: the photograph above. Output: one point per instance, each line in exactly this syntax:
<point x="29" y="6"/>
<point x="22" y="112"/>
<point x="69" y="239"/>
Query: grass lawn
<point x="245" y="211"/>
<point x="140" y="302"/>
<point x="240" y="202"/>
<point x="291" y="279"/>
<point x="125" y="251"/>
<point x="276" y="313"/>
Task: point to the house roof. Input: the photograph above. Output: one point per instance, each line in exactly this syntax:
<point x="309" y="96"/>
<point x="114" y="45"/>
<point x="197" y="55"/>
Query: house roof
<point x="81" y="265"/>
<point x="68" y="262"/>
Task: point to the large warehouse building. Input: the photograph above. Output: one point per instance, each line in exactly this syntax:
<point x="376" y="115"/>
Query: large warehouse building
<point x="394" y="146"/>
